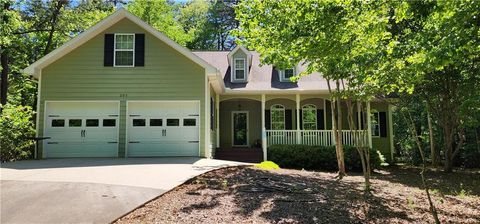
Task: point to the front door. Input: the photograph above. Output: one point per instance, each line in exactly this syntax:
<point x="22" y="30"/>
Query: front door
<point x="240" y="128"/>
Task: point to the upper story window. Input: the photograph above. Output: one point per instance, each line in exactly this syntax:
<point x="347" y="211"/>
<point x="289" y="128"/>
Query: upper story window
<point x="375" y="124"/>
<point x="286" y="74"/>
<point x="240" y="69"/>
<point x="309" y="117"/>
<point x="124" y="51"/>
<point x="277" y="117"/>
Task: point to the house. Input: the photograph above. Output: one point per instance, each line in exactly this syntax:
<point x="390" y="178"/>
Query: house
<point x="124" y="89"/>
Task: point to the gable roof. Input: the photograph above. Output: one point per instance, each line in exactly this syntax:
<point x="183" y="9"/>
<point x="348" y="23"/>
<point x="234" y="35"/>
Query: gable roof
<point x="239" y="47"/>
<point x="263" y="78"/>
<point x="101" y="26"/>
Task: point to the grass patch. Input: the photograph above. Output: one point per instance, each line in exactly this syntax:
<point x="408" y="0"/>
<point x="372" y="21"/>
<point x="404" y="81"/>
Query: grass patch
<point x="267" y="165"/>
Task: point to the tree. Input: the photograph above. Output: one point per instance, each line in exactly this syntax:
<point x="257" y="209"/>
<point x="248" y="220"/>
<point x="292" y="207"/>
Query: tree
<point x="342" y="40"/>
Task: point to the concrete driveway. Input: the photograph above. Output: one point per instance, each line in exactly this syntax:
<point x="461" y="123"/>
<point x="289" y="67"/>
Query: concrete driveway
<point x="90" y="190"/>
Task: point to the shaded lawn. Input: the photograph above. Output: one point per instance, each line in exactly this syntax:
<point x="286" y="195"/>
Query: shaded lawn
<point x="246" y="195"/>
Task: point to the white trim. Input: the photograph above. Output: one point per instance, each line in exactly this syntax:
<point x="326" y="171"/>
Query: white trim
<point x="297" y="118"/>
<point x="369" y="125"/>
<point x="207" y="138"/>
<point x="44" y="152"/>
<point x="264" y="131"/>
<point x="127" y="50"/>
<point x="324" y="114"/>
<point x="217" y="120"/>
<point x="233" y="127"/>
<point x="234" y="70"/>
<point x="98" y="28"/>
<point x="37" y="119"/>
<point x="234" y="50"/>
<point x="162" y="101"/>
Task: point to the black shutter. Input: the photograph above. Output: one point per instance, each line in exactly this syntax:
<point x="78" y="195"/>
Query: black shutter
<point x="383" y="124"/>
<point x="267" y="119"/>
<point x="301" y="119"/>
<point x="108" y="50"/>
<point x="139" y="49"/>
<point x="288" y="120"/>
<point x="320" y="121"/>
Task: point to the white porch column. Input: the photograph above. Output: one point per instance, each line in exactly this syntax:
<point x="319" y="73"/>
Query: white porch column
<point x="390" y="130"/>
<point x="297" y="108"/>
<point x="369" y="125"/>
<point x="334" y="140"/>
<point x="264" y="130"/>
<point x="217" y="120"/>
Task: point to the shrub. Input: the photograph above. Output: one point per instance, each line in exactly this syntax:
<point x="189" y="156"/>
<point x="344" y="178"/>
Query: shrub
<point x="267" y="165"/>
<point x="471" y="156"/>
<point x="318" y="157"/>
<point x="15" y="125"/>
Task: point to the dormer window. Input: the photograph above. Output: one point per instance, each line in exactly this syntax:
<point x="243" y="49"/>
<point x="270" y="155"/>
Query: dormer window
<point x="286" y="74"/>
<point x="124" y="51"/>
<point x="240" y="70"/>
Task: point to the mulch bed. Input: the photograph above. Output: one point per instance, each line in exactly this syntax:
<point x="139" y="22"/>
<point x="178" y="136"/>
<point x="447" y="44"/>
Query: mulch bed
<point x="251" y="195"/>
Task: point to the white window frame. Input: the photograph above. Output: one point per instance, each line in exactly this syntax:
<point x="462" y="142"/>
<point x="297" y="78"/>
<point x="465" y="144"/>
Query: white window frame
<point x="307" y="107"/>
<point x="372" y="114"/>
<point x="276" y="107"/>
<point x="282" y="75"/>
<point x="115" y="50"/>
<point x="234" y="70"/>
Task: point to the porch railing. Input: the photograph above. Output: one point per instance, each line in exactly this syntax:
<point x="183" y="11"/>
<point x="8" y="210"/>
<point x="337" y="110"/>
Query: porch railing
<point x="313" y="137"/>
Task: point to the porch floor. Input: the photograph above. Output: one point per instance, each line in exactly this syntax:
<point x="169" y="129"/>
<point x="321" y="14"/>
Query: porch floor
<point x="248" y="155"/>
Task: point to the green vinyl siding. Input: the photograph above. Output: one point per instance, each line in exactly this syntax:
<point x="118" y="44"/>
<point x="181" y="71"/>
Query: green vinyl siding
<point x="167" y="75"/>
<point x="381" y="144"/>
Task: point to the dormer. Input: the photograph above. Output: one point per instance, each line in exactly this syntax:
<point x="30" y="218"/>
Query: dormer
<point x="286" y="74"/>
<point x="239" y="60"/>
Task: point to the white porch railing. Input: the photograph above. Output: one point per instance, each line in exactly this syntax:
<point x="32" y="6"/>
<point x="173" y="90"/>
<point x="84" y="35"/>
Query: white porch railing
<point x="313" y="137"/>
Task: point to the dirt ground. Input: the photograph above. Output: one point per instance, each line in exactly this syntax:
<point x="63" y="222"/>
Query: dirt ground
<point x="252" y="195"/>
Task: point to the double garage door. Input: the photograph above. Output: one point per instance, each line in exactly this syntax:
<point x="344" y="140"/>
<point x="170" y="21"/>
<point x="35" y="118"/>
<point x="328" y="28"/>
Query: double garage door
<point x="91" y="129"/>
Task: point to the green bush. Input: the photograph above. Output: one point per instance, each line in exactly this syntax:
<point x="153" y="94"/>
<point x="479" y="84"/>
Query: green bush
<point x="16" y="124"/>
<point x="318" y="157"/>
<point x="471" y="156"/>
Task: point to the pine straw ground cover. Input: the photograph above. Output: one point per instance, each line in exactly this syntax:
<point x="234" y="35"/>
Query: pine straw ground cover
<point x="252" y="195"/>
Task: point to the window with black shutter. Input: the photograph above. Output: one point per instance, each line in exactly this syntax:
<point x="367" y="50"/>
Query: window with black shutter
<point x="124" y="50"/>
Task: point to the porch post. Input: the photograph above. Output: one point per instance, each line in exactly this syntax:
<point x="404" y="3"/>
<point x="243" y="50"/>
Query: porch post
<point x="217" y="120"/>
<point x="390" y="130"/>
<point x="264" y="130"/>
<point x="369" y="125"/>
<point x="297" y="107"/>
<point x="334" y="140"/>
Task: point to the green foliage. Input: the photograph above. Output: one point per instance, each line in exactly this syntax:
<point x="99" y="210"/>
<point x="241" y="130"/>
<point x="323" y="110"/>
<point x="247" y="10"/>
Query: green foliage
<point x="470" y="156"/>
<point x="15" y="125"/>
<point x="318" y="157"/>
<point x="267" y="165"/>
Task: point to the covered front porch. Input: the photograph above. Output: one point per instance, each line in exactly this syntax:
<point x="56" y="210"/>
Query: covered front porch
<point x="249" y="124"/>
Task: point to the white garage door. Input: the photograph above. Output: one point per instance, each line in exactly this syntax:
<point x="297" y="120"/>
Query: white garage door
<point x="163" y="128"/>
<point x="81" y="129"/>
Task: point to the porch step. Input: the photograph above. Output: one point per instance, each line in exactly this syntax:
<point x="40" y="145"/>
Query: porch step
<point x="240" y="155"/>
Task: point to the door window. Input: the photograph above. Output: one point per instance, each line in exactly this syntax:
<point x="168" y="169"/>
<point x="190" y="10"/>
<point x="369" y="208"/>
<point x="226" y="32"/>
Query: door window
<point x="240" y="129"/>
<point x="75" y="123"/>
<point x="138" y="122"/>
<point x="156" y="122"/>
<point x="173" y="122"/>
<point x="189" y="122"/>
<point x="92" y="123"/>
<point x="109" y="122"/>
<point x="56" y="123"/>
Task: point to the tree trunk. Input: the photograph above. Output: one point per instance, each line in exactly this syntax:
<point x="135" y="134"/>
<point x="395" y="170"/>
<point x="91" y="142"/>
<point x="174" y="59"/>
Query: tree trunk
<point x="448" y="138"/>
<point x="433" y="152"/>
<point x="55" y="14"/>
<point x="4" y="81"/>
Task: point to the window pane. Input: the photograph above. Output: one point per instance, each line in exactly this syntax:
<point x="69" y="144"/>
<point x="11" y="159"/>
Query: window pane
<point x="92" y="123"/>
<point x="138" y="122"/>
<point x="124" y="58"/>
<point x="75" y="123"/>
<point x="288" y="73"/>
<point x="124" y="42"/>
<point x="189" y="122"/>
<point x="109" y="122"/>
<point x="239" y="64"/>
<point x="239" y="74"/>
<point x="58" y="123"/>
<point x="173" y="122"/>
<point x="156" y="122"/>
